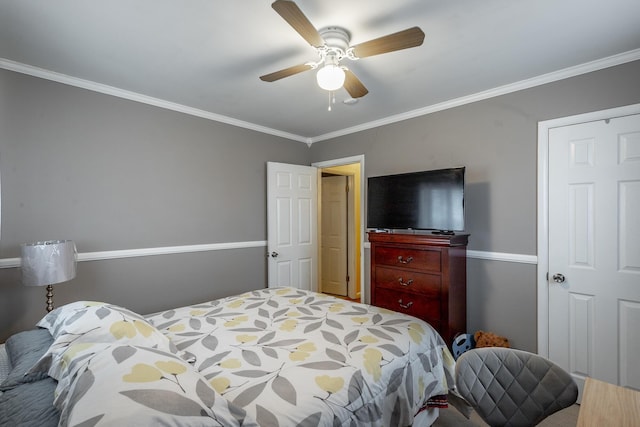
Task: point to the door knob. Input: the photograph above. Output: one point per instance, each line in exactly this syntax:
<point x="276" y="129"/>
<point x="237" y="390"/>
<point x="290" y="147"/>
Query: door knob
<point x="559" y="278"/>
<point x="274" y="254"/>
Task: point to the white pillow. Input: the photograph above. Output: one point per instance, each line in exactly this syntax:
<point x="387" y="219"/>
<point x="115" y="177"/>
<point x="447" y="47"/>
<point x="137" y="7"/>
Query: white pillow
<point x="95" y="322"/>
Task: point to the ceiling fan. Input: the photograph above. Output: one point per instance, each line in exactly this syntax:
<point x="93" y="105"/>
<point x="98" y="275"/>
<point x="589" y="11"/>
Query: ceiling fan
<point x="332" y="46"/>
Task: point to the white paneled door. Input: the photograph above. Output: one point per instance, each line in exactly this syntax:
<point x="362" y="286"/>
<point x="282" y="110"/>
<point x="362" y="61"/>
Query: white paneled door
<point x="594" y="250"/>
<point x="292" y="246"/>
<point x="334" y="232"/>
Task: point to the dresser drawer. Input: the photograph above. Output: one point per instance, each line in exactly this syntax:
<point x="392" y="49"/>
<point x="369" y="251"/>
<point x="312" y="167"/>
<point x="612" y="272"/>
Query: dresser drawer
<point x="426" y="260"/>
<point x="405" y="302"/>
<point x="406" y="280"/>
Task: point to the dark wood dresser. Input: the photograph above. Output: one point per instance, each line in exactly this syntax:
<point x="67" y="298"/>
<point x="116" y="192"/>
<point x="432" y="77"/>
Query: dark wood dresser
<point x="424" y="275"/>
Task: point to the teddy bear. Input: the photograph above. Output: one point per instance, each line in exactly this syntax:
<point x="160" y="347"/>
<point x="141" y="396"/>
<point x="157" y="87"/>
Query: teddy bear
<point x="489" y="339"/>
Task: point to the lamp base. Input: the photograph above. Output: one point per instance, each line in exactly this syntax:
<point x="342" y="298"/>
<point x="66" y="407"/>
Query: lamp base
<point x="49" y="298"/>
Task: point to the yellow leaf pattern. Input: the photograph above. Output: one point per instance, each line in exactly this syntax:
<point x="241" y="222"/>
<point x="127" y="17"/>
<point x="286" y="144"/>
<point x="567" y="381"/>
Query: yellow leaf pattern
<point x="230" y="363"/>
<point x="74" y="349"/>
<point x="236" y="303"/>
<point x="336" y="307"/>
<point x="244" y="338"/>
<point x="308" y="346"/>
<point x="142" y="373"/>
<point x="122" y="329"/>
<point x="298" y="356"/>
<point x="144" y="328"/>
<point x="220" y="384"/>
<point x="236" y="321"/>
<point x="177" y="328"/>
<point x="171" y="367"/>
<point x="289" y="325"/>
<point x="416" y="332"/>
<point x="372" y="359"/>
<point x="330" y="384"/>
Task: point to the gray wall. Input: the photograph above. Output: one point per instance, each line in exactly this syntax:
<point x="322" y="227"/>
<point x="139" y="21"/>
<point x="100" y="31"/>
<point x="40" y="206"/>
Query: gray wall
<point x="496" y="139"/>
<point x="113" y="174"/>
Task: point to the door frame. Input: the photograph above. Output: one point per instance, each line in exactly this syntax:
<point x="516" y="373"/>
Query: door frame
<point x="543" y="208"/>
<point x="345" y="237"/>
<point x="359" y="159"/>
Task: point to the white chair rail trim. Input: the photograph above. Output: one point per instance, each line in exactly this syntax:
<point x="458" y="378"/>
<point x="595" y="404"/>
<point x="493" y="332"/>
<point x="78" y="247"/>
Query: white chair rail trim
<point x="169" y="250"/>
<point x="501" y="256"/>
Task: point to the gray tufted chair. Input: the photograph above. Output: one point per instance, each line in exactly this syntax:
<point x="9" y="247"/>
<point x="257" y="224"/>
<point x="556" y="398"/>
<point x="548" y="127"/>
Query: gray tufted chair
<point x="510" y="387"/>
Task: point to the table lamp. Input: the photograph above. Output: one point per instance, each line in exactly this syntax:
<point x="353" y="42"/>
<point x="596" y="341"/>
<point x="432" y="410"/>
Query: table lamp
<point x="47" y="263"/>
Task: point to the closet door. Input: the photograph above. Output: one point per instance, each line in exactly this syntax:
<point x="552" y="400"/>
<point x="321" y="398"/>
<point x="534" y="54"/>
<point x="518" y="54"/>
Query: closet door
<point x="594" y="250"/>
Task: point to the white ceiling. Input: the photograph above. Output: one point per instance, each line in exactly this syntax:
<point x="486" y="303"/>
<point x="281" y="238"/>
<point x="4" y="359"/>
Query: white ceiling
<point x="205" y="56"/>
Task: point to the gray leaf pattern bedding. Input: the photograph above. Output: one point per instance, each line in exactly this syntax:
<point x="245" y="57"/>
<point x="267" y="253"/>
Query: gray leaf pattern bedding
<point x="114" y="368"/>
<point x="290" y="357"/>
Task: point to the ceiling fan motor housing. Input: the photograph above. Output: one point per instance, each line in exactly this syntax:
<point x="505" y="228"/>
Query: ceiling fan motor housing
<point x="336" y="40"/>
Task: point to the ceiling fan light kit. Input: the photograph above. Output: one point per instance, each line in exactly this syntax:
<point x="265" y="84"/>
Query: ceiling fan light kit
<point x="332" y="46"/>
<point x="331" y="76"/>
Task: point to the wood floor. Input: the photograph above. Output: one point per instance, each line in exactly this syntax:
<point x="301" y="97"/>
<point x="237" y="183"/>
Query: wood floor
<point x="452" y="418"/>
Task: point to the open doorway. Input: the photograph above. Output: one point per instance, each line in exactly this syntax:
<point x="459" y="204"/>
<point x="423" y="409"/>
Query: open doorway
<point x="340" y="227"/>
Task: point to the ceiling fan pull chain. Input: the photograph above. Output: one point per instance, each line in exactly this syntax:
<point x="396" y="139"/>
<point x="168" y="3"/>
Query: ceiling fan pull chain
<point x="332" y="97"/>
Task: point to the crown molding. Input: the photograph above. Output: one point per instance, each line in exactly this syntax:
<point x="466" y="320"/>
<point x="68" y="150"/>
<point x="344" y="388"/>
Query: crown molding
<point x="554" y="76"/>
<point x="144" y="99"/>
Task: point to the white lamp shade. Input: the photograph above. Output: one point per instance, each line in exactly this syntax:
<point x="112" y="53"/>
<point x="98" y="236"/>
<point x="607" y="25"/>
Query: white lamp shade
<point x="330" y="77"/>
<point x="47" y="263"/>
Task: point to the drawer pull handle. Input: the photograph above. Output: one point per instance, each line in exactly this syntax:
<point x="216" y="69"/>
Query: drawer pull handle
<point x="403" y="283"/>
<point x="404" y="261"/>
<point x="407" y="305"/>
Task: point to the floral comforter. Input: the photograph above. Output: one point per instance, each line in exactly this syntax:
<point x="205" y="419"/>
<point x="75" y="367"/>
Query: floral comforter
<point x="115" y="369"/>
<point x="290" y="357"/>
<point x="271" y="357"/>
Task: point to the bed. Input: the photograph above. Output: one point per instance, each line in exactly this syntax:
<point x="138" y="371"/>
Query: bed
<point x="270" y="357"/>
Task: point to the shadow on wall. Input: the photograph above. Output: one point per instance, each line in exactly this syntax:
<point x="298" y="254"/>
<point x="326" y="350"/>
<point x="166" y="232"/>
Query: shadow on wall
<point x="501" y="296"/>
<point x="477" y="200"/>
<point x="16" y="300"/>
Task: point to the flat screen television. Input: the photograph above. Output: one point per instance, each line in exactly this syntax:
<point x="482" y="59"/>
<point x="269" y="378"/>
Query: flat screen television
<point x="427" y="200"/>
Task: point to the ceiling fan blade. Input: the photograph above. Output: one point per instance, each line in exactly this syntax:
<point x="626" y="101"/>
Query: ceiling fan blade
<point x="291" y="13"/>
<point x="353" y="85"/>
<point x="286" y="72"/>
<point x="405" y="39"/>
